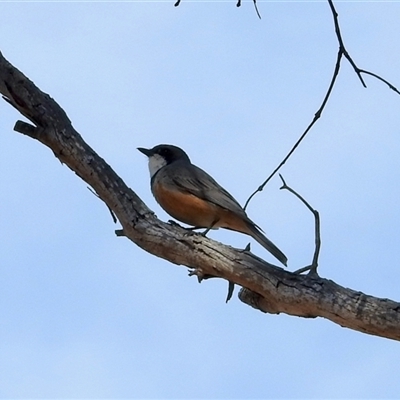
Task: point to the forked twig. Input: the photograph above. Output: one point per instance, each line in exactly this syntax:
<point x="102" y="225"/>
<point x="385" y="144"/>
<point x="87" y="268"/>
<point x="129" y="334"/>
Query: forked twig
<point x="341" y="52"/>
<point x="314" y="265"/>
<point x="363" y="71"/>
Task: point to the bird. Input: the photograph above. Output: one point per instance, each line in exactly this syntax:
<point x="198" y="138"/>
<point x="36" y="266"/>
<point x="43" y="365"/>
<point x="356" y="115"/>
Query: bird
<point x="193" y="197"/>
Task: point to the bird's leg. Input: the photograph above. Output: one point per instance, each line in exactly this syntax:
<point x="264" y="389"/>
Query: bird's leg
<point x="209" y="228"/>
<point x="191" y="228"/>
<point x="189" y="231"/>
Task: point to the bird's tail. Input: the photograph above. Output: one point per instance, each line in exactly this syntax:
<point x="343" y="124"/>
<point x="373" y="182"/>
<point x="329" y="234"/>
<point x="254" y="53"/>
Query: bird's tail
<point x="255" y="232"/>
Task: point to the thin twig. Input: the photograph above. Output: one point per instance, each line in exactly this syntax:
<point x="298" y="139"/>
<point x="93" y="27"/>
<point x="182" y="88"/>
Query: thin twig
<point x="342" y="52"/>
<point x="314" y="265"/>
<point x="363" y="71"/>
<point x="238" y="4"/>
<point x="315" y="119"/>
<point x="255" y="6"/>
<point x="109" y="209"/>
<point x="342" y="47"/>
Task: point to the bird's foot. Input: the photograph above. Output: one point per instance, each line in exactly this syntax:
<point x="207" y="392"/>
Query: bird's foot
<point x="204" y="233"/>
<point x="190" y="230"/>
<point x="174" y="223"/>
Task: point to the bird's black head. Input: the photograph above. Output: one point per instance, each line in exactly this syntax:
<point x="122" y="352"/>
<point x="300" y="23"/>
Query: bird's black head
<point x="168" y="152"/>
<point x="162" y="155"/>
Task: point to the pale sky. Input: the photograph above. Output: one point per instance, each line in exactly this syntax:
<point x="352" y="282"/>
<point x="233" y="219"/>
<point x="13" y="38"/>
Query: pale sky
<point x="85" y="314"/>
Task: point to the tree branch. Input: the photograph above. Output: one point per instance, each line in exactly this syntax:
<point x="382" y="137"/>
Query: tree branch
<point x="341" y="52"/>
<point x="238" y="4"/>
<point x="268" y="288"/>
<point x="312" y="268"/>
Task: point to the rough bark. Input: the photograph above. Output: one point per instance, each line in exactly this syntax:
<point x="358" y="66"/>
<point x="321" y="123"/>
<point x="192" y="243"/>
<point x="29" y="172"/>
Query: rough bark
<point x="266" y="287"/>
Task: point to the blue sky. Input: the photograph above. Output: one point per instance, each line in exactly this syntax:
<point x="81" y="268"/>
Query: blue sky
<point x="87" y="314"/>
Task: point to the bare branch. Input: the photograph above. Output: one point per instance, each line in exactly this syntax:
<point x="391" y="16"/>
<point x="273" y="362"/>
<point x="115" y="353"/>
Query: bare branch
<point x="238" y="4"/>
<point x="325" y="288"/>
<point x="363" y="71"/>
<point x="342" y="47"/>
<point x="342" y="52"/>
<point x="304" y="134"/>
<point x="255" y="7"/>
<point x="274" y="289"/>
<point x="312" y="268"/>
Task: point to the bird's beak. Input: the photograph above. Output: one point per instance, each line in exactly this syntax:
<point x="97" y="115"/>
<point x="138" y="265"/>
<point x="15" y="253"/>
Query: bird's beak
<point x="146" y="152"/>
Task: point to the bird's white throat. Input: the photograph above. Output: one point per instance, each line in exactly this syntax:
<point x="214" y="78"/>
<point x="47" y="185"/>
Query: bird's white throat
<point x="156" y="162"/>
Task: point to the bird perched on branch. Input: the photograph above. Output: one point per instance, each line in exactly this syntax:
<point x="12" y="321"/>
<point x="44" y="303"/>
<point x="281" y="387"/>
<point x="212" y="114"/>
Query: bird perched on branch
<point x="190" y="195"/>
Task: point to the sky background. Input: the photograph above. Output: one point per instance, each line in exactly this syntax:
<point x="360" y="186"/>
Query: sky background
<point x="86" y="314"/>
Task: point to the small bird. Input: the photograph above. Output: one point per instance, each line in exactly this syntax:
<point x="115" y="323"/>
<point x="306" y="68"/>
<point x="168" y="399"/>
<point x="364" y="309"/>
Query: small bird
<point x="190" y="195"/>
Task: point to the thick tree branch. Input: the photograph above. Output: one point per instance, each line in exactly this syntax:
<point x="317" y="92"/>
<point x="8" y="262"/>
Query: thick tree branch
<point x="268" y="288"/>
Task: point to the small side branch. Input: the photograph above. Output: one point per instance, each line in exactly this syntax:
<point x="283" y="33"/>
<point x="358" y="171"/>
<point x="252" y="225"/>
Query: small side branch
<point x="314" y="265"/>
<point x="114" y="218"/>
<point x="363" y="71"/>
<point x="239" y="3"/>
<point x="342" y="47"/>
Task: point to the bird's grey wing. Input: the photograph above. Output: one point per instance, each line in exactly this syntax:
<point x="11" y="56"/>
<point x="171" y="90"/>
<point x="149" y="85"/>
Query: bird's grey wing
<point x="197" y="182"/>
